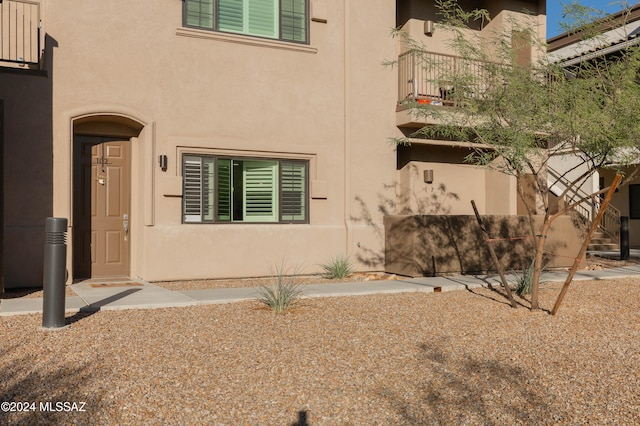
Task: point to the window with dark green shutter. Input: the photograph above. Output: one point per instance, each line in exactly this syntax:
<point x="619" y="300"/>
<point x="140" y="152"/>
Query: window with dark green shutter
<point x="277" y="19"/>
<point x="217" y="189"/>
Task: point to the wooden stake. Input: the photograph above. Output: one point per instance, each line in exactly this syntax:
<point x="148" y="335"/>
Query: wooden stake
<point x="585" y="244"/>
<point x="494" y="256"/>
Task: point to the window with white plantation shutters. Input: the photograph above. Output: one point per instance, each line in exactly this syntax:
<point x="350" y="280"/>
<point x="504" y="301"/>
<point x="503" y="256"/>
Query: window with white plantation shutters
<point x="276" y="19"/>
<point x="293" y="190"/>
<point x="219" y="189"/>
<point x="260" y="191"/>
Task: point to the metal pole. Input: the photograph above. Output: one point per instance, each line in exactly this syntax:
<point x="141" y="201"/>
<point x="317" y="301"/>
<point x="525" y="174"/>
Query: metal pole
<point x="54" y="276"/>
<point x="624" y="237"/>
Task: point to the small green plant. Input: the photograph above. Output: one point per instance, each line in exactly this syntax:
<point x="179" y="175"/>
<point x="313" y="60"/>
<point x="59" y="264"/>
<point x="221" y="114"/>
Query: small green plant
<point x="283" y="292"/>
<point x="338" y="267"/>
<point x="524" y="280"/>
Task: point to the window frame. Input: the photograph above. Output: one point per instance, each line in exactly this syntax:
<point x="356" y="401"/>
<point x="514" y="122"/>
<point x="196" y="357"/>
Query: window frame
<point x="216" y="24"/>
<point x="214" y="159"/>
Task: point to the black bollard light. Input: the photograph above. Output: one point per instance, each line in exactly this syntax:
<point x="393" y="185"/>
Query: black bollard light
<point x="624" y="237"/>
<point x="54" y="276"/>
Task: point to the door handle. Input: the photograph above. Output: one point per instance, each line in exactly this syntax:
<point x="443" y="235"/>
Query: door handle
<point x="125" y="225"/>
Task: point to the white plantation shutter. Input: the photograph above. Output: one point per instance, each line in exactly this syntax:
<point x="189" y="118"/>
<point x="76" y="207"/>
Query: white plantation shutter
<point x="231" y="15"/>
<point x="260" y="203"/>
<point x="198" y="181"/>
<point x="192" y="194"/>
<point x="253" y="17"/>
<point x="262" y="19"/>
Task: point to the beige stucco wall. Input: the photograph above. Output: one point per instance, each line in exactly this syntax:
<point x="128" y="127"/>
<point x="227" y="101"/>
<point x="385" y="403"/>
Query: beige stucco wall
<point x="330" y="102"/>
<point x="455" y="183"/>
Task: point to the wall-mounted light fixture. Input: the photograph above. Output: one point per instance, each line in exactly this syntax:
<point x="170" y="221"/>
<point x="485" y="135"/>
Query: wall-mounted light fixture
<point x="163" y="162"/>
<point x="428" y="28"/>
<point x="428" y="176"/>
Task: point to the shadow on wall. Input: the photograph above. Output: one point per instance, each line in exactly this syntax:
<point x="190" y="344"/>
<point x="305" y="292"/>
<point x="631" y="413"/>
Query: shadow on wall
<point x="426" y="245"/>
<point x="28" y="170"/>
<point x="425" y="240"/>
<point x="404" y="203"/>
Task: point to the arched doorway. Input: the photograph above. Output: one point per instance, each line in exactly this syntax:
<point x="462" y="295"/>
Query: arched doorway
<point x="102" y="195"/>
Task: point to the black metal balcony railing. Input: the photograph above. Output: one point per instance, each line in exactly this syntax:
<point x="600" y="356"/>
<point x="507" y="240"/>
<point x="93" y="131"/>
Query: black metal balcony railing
<point x="20" y="32"/>
<point x="428" y="78"/>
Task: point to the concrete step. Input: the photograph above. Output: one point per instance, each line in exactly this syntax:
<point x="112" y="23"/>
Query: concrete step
<point x="603" y="247"/>
<point x="601" y="240"/>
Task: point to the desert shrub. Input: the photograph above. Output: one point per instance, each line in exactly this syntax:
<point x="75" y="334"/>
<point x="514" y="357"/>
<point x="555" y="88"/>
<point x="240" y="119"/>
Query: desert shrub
<point x="524" y="279"/>
<point x="283" y="292"/>
<point x="338" y="267"/>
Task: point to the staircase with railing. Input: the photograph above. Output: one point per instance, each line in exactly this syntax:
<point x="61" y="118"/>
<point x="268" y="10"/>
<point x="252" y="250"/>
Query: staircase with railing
<point x="608" y="235"/>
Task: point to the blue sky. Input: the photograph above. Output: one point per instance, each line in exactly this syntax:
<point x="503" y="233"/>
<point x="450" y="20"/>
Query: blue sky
<point x="554" y="12"/>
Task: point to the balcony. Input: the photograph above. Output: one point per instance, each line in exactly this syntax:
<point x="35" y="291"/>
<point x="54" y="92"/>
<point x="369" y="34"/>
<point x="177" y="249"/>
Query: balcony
<point x="432" y="79"/>
<point x="20" y="38"/>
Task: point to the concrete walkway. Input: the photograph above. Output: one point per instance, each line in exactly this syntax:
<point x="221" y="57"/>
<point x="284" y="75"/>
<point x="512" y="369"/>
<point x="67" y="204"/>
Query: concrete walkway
<point x="138" y="294"/>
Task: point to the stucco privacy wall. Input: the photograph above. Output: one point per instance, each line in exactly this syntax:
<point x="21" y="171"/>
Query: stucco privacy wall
<point x="455" y="183"/>
<point x="431" y="245"/>
<point x="330" y="102"/>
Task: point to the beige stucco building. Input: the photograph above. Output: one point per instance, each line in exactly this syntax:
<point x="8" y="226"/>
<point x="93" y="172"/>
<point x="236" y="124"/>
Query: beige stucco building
<point x="202" y="139"/>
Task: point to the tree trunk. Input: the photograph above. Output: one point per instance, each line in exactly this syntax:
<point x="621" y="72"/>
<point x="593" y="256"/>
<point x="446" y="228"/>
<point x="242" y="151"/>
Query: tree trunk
<point x="537" y="263"/>
<point x="494" y="256"/>
<point x="585" y="244"/>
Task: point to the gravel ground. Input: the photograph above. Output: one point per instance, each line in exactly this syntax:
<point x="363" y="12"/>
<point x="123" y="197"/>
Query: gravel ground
<point x="460" y="357"/>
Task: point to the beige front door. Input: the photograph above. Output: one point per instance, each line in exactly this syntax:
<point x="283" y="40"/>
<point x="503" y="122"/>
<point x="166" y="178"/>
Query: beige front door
<point x="102" y="216"/>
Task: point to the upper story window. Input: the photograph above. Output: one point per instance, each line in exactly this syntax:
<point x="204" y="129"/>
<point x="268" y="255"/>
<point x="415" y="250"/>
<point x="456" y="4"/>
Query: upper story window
<point x="277" y="19"/>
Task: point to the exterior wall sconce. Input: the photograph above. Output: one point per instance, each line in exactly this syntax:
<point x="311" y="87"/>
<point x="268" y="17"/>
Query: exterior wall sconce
<point x="428" y="176"/>
<point x="428" y="28"/>
<point x="163" y="162"/>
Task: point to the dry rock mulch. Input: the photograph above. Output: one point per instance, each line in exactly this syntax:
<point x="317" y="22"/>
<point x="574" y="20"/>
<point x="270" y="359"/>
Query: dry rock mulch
<point x="460" y="357"/>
